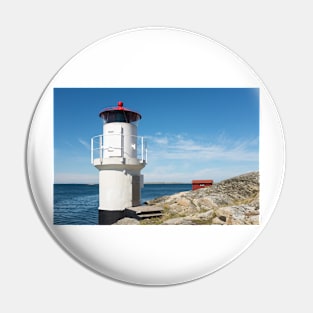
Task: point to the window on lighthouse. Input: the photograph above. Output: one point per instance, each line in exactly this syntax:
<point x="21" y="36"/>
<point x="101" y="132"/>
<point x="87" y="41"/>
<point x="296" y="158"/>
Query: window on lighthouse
<point x="120" y="117"/>
<point x="117" y="116"/>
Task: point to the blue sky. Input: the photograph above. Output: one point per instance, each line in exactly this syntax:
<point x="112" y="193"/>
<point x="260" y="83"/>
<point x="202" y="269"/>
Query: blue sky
<point x="192" y="133"/>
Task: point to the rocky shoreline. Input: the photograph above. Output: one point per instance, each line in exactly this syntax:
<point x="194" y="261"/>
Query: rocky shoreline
<point x="234" y="201"/>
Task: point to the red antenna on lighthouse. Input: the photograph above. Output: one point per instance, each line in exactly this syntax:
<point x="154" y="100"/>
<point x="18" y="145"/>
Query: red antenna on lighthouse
<point x="120" y="105"/>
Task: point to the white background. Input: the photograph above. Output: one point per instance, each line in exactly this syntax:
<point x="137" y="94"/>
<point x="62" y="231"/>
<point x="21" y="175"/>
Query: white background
<point x="275" y="273"/>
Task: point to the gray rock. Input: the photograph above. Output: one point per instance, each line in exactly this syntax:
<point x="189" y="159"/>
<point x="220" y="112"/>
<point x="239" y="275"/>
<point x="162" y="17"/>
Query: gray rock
<point x="218" y="221"/>
<point x="208" y="215"/>
<point x="233" y="201"/>
<point x="178" y="221"/>
<point x="127" y="221"/>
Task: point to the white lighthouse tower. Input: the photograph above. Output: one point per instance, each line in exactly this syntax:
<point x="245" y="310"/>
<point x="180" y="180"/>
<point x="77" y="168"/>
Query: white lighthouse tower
<point x="119" y="155"/>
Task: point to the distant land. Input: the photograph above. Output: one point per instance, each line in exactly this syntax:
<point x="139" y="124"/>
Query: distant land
<point x="170" y="183"/>
<point x="153" y="183"/>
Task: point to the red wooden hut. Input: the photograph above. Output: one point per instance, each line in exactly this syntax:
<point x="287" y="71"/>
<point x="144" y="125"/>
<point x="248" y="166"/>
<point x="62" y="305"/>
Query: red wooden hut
<point x="201" y="183"/>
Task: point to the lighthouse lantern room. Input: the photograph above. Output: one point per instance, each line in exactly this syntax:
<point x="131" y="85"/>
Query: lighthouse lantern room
<point x="119" y="155"/>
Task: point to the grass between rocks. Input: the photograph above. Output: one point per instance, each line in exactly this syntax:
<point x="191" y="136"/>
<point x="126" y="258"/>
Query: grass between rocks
<point x="166" y="215"/>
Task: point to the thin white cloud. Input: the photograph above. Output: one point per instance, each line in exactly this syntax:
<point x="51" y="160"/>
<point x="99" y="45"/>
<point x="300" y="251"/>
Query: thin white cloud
<point x="158" y="139"/>
<point x="179" y="175"/>
<point x="181" y="159"/>
<point x="181" y="148"/>
<point x="75" y="178"/>
<point x="84" y="143"/>
<point x="161" y="141"/>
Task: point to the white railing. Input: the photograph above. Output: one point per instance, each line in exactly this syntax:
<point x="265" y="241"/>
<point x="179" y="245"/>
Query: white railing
<point x="128" y="146"/>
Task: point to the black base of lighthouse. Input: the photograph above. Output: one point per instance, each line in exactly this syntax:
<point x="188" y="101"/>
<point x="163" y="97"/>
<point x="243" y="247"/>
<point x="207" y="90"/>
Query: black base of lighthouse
<point x="110" y="217"/>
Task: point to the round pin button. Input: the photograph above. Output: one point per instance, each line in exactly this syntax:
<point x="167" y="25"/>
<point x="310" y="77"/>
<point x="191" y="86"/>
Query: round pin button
<point x="155" y="156"/>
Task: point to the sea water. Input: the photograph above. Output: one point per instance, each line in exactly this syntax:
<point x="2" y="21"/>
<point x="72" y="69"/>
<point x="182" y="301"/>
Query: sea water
<point x="77" y="204"/>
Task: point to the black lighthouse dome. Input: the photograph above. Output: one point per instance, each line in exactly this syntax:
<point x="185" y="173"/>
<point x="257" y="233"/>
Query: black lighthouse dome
<point x="119" y="114"/>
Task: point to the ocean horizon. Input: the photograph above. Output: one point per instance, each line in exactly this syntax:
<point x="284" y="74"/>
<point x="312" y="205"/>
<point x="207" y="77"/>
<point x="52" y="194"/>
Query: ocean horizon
<point x="77" y="204"/>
